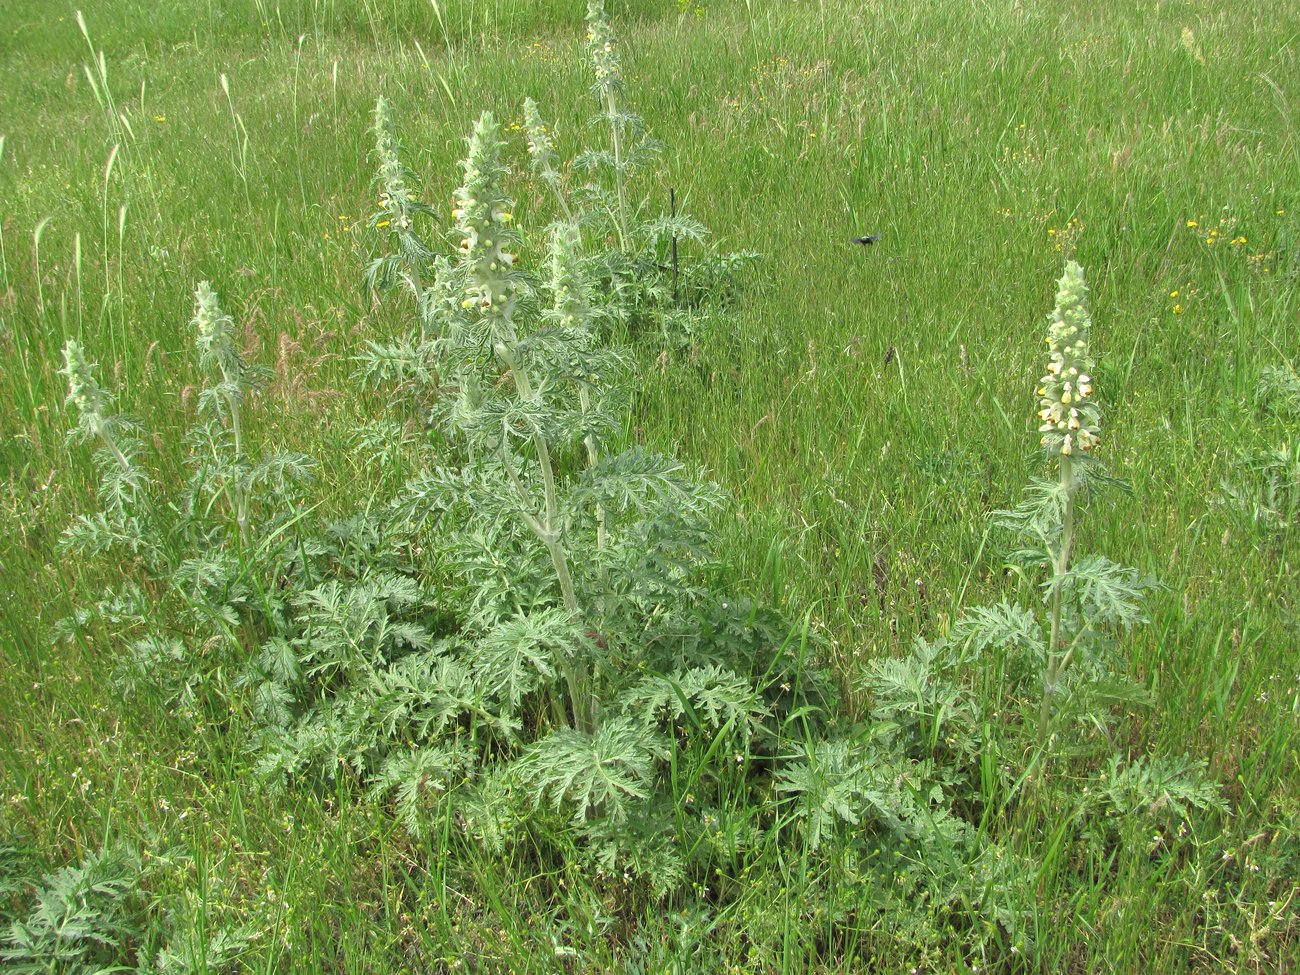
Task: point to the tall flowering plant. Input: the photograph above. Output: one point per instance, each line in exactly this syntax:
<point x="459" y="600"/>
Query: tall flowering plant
<point x="1071" y="424"/>
<point x="1090" y="600"/>
<point x="124" y="518"/>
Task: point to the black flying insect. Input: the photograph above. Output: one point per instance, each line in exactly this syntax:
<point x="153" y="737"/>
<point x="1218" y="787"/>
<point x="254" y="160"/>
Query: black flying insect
<point x="866" y="240"/>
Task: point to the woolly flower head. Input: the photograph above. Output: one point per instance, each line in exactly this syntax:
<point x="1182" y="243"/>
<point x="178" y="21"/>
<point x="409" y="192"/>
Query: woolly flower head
<point x="604" y="48"/>
<point x="1071" y="419"/>
<point x="215" y="332"/>
<point x="390" y="174"/>
<point x="569" y="289"/>
<point x="90" y="400"/>
<point x="540" y="148"/>
<point x="483" y="218"/>
<point x="385" y="129"/>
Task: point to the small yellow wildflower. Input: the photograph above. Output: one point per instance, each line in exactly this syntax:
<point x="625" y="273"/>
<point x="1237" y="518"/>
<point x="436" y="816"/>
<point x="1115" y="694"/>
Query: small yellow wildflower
<point x="1178" y="309"/>
<point x="1174" y="293"/>
<point x="383" y="223"/>
<point x="1192" y="223"/>
<point x="1239" y="240"/>
<point x="160" y="118"/>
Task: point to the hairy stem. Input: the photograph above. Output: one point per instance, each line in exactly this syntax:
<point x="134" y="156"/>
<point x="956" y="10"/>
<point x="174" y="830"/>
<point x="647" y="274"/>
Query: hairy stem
<point x="107" y="439"/>
<point x="1055" y="663"/>
<point x="615" y="128"/>
<point x="593" y="458"/>
<point x="547" y="530"/>
<point x="553" y="181"/>
<point x="571" y="679"/>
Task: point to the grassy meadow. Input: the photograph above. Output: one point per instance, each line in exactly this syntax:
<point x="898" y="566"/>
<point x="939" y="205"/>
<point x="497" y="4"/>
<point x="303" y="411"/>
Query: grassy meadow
<point x="865" y="409"/>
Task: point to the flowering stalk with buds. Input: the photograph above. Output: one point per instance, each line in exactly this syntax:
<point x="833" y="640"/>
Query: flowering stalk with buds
<point x="396" y="217"/>
<point x="122" y="483"/>
<point x="541" y="152"/>
<point x="91" y="401"/>
<point x="215" y="337"/>
<point x="1089" y="598"/>
<point x="232" y="380"/>
<point x="1071" y="425"/>
<point x="609" y="84"/>
<point x="492" y="288"/>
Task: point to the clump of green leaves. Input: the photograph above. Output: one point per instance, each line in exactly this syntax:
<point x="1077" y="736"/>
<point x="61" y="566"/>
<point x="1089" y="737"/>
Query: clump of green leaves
<point x="573" y="639"/>
<point x="102" y="914"/>
<point x="209" y="551"/>
<point x="82" y="919"/>
<point x="894" y="806"/>
<point x="587" y="632"/>
<point x="124" y="519"/>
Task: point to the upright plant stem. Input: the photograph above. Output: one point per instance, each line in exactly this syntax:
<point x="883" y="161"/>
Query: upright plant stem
<point x="593" y="457"/>
<point x="611" y="109"/>
<point x="548" y="531"/>
<point x="1054" y="661"/>
<point x="107" y="440"/>
<point x="553" y="181"/>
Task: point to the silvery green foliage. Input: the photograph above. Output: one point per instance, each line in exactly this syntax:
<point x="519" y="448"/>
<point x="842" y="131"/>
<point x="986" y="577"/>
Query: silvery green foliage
<point x="1278" y="391"/>
<point x="1266" y="490"/>
<point x="1088" y="601"/>
<point x="194" y="951"/>
<point x="225" y="546"/>
<point x="884" y="818"/>
<point x="1155" y="789"/>
<point x="83" y="919"/>
<point x="574" y="640"/>
<point x="97" y="916"/>
<point x="838" y="782"/>
<point x="122" y="523"/>
<point x="653" y="292"/>
<point x="241" y="514"/>
<point x="224" y="471"/>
